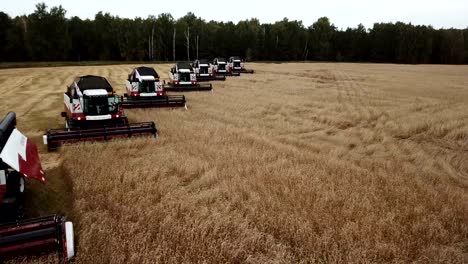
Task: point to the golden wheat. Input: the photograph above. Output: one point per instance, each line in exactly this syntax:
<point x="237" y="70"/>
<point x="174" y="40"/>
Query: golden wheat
<point x="299" y="163"/>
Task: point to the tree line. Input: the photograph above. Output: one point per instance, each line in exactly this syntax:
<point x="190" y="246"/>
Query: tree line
<point x="47" y="35"/>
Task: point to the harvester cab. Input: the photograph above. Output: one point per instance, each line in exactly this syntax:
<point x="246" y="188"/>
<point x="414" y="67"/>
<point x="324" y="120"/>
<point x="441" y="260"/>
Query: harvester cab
<point x="91" y="99"/>
<point x="94" y="112"/>
<point x="145" y="90"/>
<point x="235" y="64"/>
<point x="183" y="78"/>
<point x="220" y="66"/>
<point x="19" y="161"/>
<point x="204" y="71"/>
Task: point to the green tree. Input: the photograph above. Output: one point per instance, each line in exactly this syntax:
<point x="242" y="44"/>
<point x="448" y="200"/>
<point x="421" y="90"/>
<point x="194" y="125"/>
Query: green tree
<point x="322" y="34"/>
<point x="47" y="35"/>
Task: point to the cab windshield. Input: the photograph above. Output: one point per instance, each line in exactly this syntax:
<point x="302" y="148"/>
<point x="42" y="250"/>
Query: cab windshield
<point x="184" y="77"/>
<point x="147" y="87"/>
<point x="100" y="105"/>
<point x="203" y="69"/>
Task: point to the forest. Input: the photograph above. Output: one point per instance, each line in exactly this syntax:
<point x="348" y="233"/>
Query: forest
<point x="48" y="35"/>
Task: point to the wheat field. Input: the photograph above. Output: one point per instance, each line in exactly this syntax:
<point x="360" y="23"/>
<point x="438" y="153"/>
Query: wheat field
<point x="299" y="163"/>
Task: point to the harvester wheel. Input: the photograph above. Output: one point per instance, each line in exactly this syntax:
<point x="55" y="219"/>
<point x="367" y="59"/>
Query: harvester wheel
<point x="16" y="185"/>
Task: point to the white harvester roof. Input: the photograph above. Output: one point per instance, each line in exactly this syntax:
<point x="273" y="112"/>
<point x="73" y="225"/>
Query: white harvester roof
<point x="147" y="78"/>
<point x="95" y="92"/>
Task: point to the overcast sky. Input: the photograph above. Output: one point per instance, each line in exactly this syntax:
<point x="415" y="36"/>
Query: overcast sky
<point x="343" y="13"/>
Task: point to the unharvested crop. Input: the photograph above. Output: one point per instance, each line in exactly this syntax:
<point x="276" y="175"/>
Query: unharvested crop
<point x="299" y="163"/>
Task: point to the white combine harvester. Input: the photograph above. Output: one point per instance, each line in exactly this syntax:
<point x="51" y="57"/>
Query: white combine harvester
<point x="183" y="78"/>
<point x="94" y="112"/>
<point x="220" y="68"/>
<point x="204" y="71"/>
<point x="235" y="64"/>
<point x="145" y="90"/>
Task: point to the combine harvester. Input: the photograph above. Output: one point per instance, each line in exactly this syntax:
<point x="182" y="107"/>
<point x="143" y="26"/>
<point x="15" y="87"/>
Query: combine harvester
<point x="204" y="71"/>
<point x="94" y="112"/>
<point x="19" y="161"/>
<point x="235" y="64"/>
<point x="220" y="68"/>
<point x="145" y="90"/>
<point x="183" y="78"/>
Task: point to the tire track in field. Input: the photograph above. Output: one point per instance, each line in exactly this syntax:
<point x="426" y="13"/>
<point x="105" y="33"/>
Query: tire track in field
<point x="49" y="98"/>
<point x="356" y="96"/>
<point x="347" y="99"/>
<point x="271" y="113"/>
<point x="371" y="128"/>
<point x="449" y="162"/>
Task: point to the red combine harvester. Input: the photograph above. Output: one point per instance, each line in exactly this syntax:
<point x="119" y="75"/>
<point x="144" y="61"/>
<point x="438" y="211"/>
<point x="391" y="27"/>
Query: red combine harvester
<point x="94" y="112"/>
<point x="19" y="161"/>
<point x="204" y="71"/>
<point x="220" y="68"/>
<point x="183" y="78"/>
<point x="235" y="64"/>
<point x="145" y="90"/>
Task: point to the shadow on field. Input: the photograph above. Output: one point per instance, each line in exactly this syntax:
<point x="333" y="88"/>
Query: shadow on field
<point x="55" y="196"/>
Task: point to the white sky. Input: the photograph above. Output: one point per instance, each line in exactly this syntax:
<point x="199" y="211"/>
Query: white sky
<point x="343" y="13"/>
